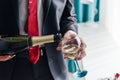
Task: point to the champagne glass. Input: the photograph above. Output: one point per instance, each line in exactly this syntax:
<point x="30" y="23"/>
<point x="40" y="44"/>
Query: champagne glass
<point x="70" y="50"/>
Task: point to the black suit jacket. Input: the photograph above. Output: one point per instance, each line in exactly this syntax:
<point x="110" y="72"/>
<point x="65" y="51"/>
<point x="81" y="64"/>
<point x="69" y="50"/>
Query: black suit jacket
<point x="59" y="16"/>
<point x="8" y="17"/>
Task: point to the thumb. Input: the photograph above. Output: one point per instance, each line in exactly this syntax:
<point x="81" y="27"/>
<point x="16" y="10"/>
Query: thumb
<point x="61" y="43"/>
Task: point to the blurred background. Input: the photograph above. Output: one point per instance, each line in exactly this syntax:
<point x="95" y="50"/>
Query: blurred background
<point x="99" y="26"/>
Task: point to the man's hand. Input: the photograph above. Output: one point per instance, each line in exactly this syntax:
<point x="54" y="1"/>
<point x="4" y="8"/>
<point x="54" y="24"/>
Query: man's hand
<point x="70" y="35"/>
<point x="81" y="51"/>
<point x="6" y="57"/>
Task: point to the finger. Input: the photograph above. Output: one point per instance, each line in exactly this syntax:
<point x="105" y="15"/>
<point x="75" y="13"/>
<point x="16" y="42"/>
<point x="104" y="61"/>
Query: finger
<point x="83" y="44"/>
<point x="81" y="54"/>
<point x="9" y="57"/>
<point x="12" y="56"/>
<point x="6" y="57"/>
<point x="59" y="46"/>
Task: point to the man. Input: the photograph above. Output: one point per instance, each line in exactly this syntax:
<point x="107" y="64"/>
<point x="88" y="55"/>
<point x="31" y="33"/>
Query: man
<point x="54" y="16"/>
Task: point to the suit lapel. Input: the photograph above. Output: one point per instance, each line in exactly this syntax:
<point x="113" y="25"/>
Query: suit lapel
<point x="46" y="7"/>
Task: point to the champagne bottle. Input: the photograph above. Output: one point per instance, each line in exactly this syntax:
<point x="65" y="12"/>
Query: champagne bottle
<point x="12" y="45"/>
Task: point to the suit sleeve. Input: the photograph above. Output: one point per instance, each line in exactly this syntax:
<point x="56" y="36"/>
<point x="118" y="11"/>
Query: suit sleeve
<point x="68" y="20"/>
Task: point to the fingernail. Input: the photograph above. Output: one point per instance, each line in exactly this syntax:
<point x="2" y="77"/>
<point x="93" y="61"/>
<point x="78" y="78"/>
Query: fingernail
<point x="13" y="55"/>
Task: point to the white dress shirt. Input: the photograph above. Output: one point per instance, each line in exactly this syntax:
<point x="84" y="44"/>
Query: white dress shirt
<point x="39" y="15"/>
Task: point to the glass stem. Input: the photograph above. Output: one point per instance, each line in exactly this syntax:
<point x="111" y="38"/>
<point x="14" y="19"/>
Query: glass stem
<point x="77" y="65"/>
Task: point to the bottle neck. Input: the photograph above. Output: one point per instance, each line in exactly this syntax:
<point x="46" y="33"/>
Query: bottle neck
<point x="42" y="40"/>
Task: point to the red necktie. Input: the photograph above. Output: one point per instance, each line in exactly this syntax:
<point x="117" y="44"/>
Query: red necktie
<point x="34" y="52"/>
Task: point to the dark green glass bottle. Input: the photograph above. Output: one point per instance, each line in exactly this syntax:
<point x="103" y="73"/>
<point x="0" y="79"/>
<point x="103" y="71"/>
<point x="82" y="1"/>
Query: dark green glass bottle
<point x="13" y="45"/>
